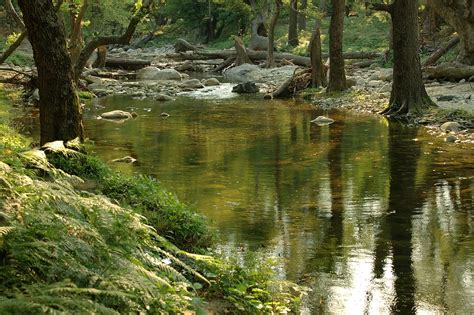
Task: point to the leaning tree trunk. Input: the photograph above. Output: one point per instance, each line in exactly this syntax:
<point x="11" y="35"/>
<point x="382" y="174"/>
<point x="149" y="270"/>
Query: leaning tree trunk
<point x="318" y="73"/>
<point x="408" y="96"/>
<point x="337" y="76"/>
<point x="60" y="112"/>
<point x="271" y="34"/>
<point x="293" y="24"/>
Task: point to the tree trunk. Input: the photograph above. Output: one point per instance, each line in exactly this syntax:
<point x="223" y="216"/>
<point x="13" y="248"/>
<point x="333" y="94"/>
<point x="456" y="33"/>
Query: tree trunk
<point x="242" y="56"/>
<point x="337" y="76"/>
<point x="302" y="16"/>
<point x="460" y="15"/>
<point x="76" y="41"/>
<point x="318" y="73"/>
<point x="60" y="112"/>
<point x="408" y="96"/>
<point x="293" y="24"/>
<point x="271" y="34"/>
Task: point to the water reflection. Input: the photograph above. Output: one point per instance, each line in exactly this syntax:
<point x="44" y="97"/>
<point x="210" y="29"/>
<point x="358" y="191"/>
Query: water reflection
<point x="374" y="221"/>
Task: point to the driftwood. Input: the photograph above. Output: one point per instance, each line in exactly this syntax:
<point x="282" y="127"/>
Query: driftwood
<point x="297" y="82"/>
<point x="441" y="51"/>
<point x="449" y="71"/>
<point x="201" y="54"/>
<point x="127" y="64"/>
<point x="227" y="63"/>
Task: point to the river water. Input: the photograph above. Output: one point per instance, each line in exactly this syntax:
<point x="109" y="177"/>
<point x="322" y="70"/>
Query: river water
<point x="374" y="217"/>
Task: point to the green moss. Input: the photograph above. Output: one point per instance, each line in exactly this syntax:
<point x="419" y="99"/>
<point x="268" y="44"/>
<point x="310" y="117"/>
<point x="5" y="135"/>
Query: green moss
<point x="86" y="95"/>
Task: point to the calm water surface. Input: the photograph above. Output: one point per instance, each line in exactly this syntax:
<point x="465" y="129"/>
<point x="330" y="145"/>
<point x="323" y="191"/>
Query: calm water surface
<point x="376" y="218"/>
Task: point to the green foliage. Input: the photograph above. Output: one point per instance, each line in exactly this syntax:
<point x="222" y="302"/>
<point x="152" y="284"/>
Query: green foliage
<point x="71" y="252"/>
<point x="143" y="194"/>
<point x="250" y="287"/>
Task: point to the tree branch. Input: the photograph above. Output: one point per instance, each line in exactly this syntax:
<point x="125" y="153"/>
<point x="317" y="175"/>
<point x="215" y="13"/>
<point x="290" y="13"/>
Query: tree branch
<point x="13" y="47"/>
<point x="12" y="12"/>
<point x="123" y="39"/>
<point x="382" y="7"/>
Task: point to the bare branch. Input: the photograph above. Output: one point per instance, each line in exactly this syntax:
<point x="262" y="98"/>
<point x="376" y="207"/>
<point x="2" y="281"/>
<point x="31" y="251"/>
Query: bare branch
<point x="382" y="7"/>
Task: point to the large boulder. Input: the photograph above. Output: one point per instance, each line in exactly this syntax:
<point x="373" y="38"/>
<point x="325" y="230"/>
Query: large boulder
<point x="450" y="126"/>
<point x="153" y="73"/>
<point x="211" y="82"/>
<point x="192" y="84"/>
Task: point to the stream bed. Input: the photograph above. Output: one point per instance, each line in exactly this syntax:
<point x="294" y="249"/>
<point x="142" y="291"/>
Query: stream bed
<point x="374" y="217"/>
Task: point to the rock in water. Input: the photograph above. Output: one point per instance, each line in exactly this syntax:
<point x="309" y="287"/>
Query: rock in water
<point x="247" y="87"/>
<point x="210" y="82"/>
<point x="322" y="121"/>
<point x="125" y="159"/>
<point x="192" y="84"/>
<point x="163" y="98"/>
<point x="450" y="126"/>
<point x="153" y="73"/>
<point x="118" y="114"/>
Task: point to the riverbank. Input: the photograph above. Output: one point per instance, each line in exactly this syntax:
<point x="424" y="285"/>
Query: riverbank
<point x="76" y="236"/>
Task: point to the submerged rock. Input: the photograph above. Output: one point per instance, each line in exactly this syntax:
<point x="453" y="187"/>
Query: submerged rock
<point x="118" y="114"/>
<point x="247" y="87"/>
<point x="125" y="159"/>
<point x="450" y="126"/>
<point x="163" y="97"/>
<point x="322" y="121"/>
<point x="451" y="139"/>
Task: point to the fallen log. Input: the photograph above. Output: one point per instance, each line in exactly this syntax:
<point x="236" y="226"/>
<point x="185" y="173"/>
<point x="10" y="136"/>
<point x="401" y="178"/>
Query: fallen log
<point x="449" y="71"/>
<point x="297" y="82"/>
<point x="262" y="56"/>
<point x="441" y="51"/>
<point x="126" y="64"/>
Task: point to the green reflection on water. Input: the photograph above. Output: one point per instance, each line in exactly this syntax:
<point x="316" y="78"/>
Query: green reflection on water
<point x="372" y="220"/>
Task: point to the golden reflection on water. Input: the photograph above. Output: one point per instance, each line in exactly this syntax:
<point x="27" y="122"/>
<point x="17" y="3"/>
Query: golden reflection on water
<point x="372" y="220"/>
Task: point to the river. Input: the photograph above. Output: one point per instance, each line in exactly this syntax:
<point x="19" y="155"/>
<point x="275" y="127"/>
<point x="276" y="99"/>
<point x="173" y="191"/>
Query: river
<point x="374" y="217"/>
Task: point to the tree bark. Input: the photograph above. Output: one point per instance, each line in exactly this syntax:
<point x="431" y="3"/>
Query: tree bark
<point x="271" y="34"/>
<point x="460" y="15"/>
<point x="293" y="24"/>
<point x="318" y="73"/>
<point x="60" y="112"/>
<point x="337" y="76"/>
<point x="408" y="96"/>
